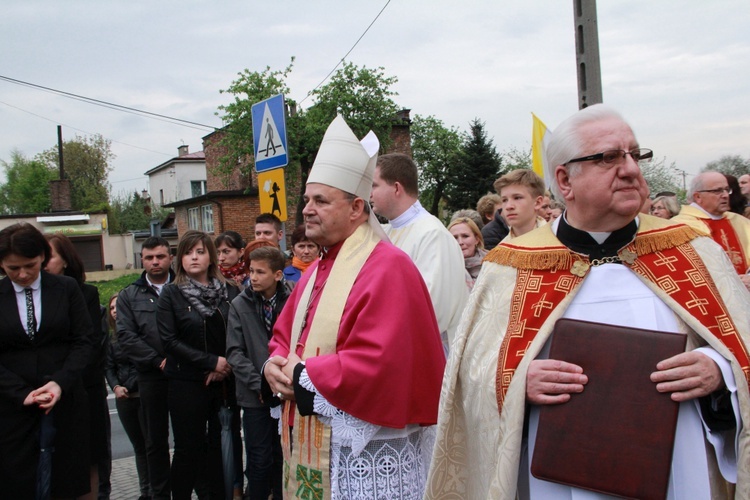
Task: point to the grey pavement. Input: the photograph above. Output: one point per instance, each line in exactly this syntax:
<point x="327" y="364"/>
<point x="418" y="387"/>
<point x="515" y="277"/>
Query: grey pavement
<point x="124" y="480"/>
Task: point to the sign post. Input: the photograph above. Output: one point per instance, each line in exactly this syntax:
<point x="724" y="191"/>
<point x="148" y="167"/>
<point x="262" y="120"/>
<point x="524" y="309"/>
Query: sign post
<point x="271" y="156"/>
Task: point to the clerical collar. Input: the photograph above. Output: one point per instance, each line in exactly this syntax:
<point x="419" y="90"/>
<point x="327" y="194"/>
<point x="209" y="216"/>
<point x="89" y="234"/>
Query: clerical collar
<point x="584" y="243"/>
<point x="714" y="217"/>
<point x="412" y="213"/>
<point x="330" y="253"/>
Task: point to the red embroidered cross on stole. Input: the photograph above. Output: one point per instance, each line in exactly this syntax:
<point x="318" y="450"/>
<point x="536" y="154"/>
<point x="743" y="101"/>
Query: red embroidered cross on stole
<point x="537" y="294"/>
<point x="678" y="271"/>
<point x="681" y="274"/>
<point x="724" y="234"/>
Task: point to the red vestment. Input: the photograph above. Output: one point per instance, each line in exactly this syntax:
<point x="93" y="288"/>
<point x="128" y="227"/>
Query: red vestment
<point x="389" y="359"/>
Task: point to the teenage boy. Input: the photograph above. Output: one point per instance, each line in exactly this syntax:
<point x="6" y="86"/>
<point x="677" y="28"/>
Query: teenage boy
<point x="522" y="193"/>
<point x="251" y="319"/>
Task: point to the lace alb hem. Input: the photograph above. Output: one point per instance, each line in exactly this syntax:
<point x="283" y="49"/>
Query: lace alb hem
<point x="384" y="469"/>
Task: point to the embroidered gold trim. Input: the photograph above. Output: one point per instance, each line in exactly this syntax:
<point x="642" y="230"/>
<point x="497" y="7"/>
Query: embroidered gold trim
<point x="559" y="257"/>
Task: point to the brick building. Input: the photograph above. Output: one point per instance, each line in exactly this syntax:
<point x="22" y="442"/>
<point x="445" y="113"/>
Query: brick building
<point x="232" y="203"/>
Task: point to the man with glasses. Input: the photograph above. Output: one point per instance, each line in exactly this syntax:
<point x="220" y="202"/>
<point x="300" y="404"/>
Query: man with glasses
<point x="603" y="262"/>
<point x="709" y="212"/>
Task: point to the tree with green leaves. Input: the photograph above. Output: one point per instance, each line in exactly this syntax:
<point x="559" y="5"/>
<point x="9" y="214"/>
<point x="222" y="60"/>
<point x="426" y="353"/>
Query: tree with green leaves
<point x="729" y="164"/>
<point x="87" y="165"/>
<point x="363" y="96"/>
<point x="661" y="176"/>
<point x="132" y="213"/>
<point x="249" y="88"/>
<point x="26" y="189"/>
<point x="514" y="158"/>
<point x="479" y="168"/>
<point x="436" y="149"/>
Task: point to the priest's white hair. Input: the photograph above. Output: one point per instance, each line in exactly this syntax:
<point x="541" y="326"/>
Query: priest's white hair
<point x="566" y="144"/>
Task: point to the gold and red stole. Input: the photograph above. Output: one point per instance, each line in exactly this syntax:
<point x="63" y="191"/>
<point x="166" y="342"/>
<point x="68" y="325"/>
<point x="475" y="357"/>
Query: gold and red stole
<point x="548" y="271"/>
<point x="306" y="472"/>
<point x="725" y="235"/>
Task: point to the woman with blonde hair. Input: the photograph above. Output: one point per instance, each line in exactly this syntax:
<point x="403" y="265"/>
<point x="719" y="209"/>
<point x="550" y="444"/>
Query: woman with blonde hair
<point x="469" y="238"/>
<point x="665" y="207"/>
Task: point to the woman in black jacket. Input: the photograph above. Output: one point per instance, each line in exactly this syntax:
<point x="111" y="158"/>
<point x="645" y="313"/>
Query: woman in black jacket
<point x="43" y="350"/>
<point x="192" y="318"/>
<point x="122" y="378"/>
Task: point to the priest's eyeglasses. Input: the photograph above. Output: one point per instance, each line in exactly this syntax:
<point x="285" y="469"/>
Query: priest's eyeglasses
<point x="718" y="191"/>
<point x="616" y="156"/>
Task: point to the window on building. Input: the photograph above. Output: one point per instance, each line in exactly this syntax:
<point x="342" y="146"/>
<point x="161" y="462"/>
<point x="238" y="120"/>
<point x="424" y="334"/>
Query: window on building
<point x="197" y="188"/>
<point x="194" y="219"/>
<point x="161" y="197"/>
<point x="207" y="215"/>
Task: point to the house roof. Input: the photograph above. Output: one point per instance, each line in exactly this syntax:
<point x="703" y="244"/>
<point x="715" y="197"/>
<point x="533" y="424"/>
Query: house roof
<point x="198" y="156"/>
<point x="213" y="195"/>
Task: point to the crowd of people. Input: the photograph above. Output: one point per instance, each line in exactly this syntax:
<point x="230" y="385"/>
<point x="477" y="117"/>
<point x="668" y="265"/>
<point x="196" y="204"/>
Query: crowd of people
<point x="402" y="360"/>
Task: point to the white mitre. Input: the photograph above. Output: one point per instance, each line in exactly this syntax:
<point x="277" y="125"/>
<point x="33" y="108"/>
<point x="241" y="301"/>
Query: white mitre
<point x="347" y="164"/>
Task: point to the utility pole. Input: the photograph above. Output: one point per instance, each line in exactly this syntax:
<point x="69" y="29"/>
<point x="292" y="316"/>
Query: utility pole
<point x="587" y="53"/>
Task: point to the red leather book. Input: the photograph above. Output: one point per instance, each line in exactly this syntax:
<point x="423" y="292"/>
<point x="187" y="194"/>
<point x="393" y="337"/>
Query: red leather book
<point x="615" y="437"/>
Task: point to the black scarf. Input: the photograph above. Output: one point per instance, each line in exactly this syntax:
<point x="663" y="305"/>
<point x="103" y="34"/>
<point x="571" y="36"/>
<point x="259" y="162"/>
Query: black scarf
<point x="205" y="298"/>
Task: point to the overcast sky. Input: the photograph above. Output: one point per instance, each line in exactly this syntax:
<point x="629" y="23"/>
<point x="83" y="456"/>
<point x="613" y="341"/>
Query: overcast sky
<point x="679" y="71"/>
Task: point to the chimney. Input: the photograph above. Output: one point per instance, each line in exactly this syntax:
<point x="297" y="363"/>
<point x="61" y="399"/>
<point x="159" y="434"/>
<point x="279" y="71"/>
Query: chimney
<point x="60" y="195"/>
<point x="182" y="150"/>
<point x="59" y="189"/>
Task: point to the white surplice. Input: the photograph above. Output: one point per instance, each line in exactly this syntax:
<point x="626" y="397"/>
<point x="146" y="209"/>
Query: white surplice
<point x="438" y="257"/>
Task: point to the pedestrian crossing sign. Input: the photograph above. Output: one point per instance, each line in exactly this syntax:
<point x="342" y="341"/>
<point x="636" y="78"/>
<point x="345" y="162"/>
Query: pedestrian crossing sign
<point x="269" y="133"/>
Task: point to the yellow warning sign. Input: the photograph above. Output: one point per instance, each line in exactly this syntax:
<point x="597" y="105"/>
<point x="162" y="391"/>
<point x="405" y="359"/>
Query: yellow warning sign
<point x="272" y="192"/>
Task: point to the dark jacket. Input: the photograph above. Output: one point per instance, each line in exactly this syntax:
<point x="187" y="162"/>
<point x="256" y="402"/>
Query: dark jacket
<point x="60" y="350"/>
<point x="494" y="231"/>
<point x="119" y="369"/>
<point x="247" y="344"/>
<point x="193" y="344"/>
<point x="94" y="371"/>
<point x="137" y="332"/>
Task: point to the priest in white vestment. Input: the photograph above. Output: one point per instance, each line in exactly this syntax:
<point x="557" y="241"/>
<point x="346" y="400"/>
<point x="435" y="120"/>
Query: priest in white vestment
<point x="601" y="261"/>
<point x="423" y="237"/>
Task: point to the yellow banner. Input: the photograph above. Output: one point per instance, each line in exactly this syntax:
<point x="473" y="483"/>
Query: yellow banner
<point x="538" y="160"/>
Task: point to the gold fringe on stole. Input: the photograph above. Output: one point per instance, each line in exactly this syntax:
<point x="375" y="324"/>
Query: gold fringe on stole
<point x="553" y="257"/>
<point x="530" y="258"/>
<point x="662" y="239"/>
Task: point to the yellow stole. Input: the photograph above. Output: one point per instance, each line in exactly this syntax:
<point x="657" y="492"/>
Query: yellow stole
<point x="307" y="466"/>
<point x="548" y="271"/>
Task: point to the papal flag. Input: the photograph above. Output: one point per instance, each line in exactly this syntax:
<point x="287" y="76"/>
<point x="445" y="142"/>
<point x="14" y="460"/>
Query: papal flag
<point x="539" y="138"/>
